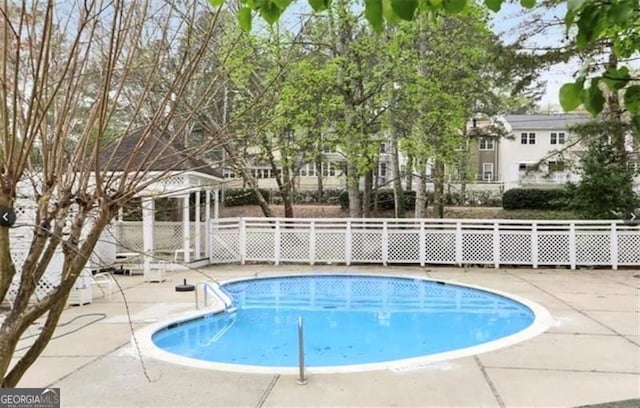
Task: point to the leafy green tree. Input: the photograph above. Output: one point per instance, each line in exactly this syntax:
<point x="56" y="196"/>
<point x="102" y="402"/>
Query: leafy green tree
<point x="605" y="189"/>
<point x="590" y="21"/>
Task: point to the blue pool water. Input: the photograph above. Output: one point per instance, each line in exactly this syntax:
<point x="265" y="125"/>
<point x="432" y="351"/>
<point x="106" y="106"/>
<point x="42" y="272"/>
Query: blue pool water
<point x="348" y="319"/>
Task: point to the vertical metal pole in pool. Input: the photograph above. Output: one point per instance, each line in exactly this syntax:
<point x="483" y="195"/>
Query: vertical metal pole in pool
<point x="301" y="378"/>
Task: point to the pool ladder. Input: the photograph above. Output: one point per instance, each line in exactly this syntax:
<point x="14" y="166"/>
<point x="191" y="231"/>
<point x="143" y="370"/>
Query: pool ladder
<point x="215" y="289"/>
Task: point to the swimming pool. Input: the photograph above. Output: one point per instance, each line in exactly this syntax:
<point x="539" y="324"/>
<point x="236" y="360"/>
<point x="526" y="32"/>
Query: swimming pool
<point x="351" y="323"/>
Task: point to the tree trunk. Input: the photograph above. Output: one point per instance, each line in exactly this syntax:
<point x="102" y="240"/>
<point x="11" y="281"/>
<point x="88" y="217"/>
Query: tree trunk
<point x="409" y="173"/>
<point x="251" y="182"/>
<point x="318" y="163"/>
<point x="286" y="191"/>
<point x="421" y="191"/>
<point x="353" y="189"/>
<point x="463" y="166"/>
<point x="438" y="189"/>
<point x="398" y="194"/>
<point x="367" y="194"/>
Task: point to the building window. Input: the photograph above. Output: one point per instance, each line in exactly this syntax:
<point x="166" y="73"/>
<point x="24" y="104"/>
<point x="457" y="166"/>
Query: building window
<point x="329" y="169"/>
<point x="527" y="138"/>
<point x="555" y="166"/>
<point x="383" y="148"/>
<point x="486" y="143"/>
<point x="557" y="138"/>
<point x="524" y="166"/>
<point x="487" y="171"/>
<point x="308" y="169"/>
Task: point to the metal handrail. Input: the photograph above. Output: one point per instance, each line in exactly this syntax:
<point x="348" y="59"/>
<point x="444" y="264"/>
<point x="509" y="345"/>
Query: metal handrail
<point x="225" y="299"/>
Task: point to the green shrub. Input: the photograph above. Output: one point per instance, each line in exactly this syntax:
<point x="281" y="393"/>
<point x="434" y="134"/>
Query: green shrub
<point x="311" y="196"/>
<point x="534" y="199"/>
<point x="243" y="196"/>
<point x="383" y="200"/>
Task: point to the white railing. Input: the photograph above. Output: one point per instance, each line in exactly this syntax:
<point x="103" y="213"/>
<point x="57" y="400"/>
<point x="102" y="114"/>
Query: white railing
<point x="425" y="241"/>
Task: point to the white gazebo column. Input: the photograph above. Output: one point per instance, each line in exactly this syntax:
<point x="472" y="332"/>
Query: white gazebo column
<point x="186" y="235"/>
<point x="207" y="225"/>
<point x="197" y="231"/>
<point x="148" y="220"/>
<point x="216" y="204"/>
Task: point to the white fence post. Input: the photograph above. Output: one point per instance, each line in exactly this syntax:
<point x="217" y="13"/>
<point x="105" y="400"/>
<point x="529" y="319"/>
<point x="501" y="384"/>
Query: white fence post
<point x="572" y="245"/>
<point x="186" y="224"/>
<point x="422" y="245"/>
<point x="312" y="242"/>
<point x="207" y="229"/>
<point x="197" y="243"/>
<point x="347" y="243"/>
<point x="276" y="243"/>
<point x="385" y="243"/>
<point x="614" y="246"/>
<point x="496" y="245"/>
<point x="534" y="245"/>
<point x="459" y="243"/>
<point x="242" y="244"/>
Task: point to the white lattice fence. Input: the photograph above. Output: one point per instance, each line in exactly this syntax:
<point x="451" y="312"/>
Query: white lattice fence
<point x="428" y="241"/>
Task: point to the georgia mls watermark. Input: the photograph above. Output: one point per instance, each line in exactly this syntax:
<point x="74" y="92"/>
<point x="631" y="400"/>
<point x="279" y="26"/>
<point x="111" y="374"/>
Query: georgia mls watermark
<point x="29" y="397"/>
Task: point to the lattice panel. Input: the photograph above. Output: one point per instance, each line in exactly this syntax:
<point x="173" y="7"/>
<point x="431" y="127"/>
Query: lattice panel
<point x="129" y="238"/>
<point x="294" y="246"/>
<point x="477" y="247"/>
<point x="593" y="249"/>
<point x="366" y="246"/>
<point x="330" y="247"/>
<point x="260" y="246"/>
<point x="18" y="258"/>
<point x="167" y="236"/>
<point x="225" y="246"/>
<point x="404" y="247"/>
<point x="49" y="281"/>
<point x="515" y="248"/>
<point x="440" y="247"/>
<point x="629" y="248"/>
<point x="553" y="248"/>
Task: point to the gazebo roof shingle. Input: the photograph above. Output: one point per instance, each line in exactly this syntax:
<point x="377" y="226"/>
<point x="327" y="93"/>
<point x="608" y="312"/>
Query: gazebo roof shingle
<point x="157" y="152"/>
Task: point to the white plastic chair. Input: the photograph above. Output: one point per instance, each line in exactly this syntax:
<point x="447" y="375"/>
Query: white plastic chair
<point x="105" y="282"/>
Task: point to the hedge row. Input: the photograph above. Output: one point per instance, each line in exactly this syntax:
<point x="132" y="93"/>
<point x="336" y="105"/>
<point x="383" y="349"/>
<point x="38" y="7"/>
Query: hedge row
<point x="242" y="196"/>
<point x="535" y="199"/>
<point x="383" y="200"/>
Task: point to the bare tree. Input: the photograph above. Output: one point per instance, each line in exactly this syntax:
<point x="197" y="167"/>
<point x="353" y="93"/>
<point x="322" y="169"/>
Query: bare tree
<point x="76" y="77"/>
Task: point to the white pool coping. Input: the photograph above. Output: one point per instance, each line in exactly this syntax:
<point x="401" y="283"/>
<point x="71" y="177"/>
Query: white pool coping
<point x="542" y="321"/>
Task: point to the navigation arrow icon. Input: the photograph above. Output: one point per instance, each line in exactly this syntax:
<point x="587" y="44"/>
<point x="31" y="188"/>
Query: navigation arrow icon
<point x="632" y="218"/>
<point x="7" y="217"/>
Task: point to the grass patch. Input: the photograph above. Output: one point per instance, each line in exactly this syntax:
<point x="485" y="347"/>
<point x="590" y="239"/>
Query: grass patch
<point x="538" y="215"/>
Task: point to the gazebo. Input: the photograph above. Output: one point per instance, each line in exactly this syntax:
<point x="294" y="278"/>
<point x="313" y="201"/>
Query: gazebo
<point x="145" y="243"/>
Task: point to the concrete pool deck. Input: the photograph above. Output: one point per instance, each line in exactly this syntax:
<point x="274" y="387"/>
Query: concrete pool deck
<point x="590" y="355"/>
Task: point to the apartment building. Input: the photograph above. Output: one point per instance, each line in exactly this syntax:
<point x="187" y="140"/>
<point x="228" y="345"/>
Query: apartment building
<point x="537" y="150"/>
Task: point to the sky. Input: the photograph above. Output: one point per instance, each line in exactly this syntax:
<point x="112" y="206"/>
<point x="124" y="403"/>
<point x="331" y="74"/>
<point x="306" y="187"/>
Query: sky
<point x="508" y="22"/>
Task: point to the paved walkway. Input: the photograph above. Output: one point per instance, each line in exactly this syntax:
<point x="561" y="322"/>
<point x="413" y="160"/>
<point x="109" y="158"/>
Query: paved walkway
<point x="590" y="355"/>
